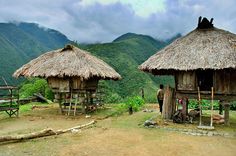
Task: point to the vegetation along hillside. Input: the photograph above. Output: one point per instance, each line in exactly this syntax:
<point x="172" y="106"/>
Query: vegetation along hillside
<point x="125" y="54"/>
<point x="22" y="42"/>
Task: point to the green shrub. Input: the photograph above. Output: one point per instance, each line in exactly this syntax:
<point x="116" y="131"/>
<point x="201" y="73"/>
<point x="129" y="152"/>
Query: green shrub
<point x="135" y="102"/>
<point x="35" y="85"/>
<point x="233" y="106"/>
<point x="206" y="104"/>
<point x="112" y="98"/>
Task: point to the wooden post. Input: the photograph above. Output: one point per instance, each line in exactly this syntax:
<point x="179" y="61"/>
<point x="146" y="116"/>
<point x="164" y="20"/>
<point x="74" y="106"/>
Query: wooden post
<point x="212" y="101"/>
<point x="220" y="108"/>
<point x="60" y="102"/>
<point x="76" y="100"/>
<point x="226" y="113"/>
<point x="18" y="102"/>
<point x="168" y="103"/>
<point x="70" y="102"/>
<point x="142" y="93"/>
<point x="200" y="106"/>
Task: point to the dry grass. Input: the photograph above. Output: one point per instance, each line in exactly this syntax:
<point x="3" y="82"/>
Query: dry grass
<point x="116" y="136"/>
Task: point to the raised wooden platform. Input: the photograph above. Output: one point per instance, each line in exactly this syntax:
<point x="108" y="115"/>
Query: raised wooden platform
<point x="205" y="95"/>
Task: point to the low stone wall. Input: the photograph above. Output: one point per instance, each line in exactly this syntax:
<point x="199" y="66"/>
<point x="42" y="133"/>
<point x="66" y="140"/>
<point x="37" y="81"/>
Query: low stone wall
<point x="195" y="132"/>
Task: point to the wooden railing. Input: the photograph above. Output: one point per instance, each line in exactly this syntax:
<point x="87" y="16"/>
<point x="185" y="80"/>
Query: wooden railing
<point x="9" y="100"/>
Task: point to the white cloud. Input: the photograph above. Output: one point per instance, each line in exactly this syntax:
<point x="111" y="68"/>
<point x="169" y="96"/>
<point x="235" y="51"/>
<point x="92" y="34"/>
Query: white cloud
<point x="104" y="20"/>
<point x="142" y="8"/>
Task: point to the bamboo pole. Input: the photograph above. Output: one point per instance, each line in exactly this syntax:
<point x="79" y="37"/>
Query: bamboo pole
<point x="76" y="100"/>
<point x="70" y="102"/>
<point x="6" y="83"/>
<point x="199" y="102"/>
<point x="212" y="100"/>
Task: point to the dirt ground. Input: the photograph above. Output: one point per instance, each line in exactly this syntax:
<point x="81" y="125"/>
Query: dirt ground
<point x="114" y="136"/>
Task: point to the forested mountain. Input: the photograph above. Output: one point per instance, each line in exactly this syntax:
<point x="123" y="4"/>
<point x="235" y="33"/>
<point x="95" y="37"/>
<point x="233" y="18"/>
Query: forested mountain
<point x="22" y="42"/>
<point x="19" y="43"/>
<point x="125" y="54"/>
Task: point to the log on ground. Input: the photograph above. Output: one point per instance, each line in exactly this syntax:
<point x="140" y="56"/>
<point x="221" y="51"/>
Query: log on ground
<point x="42" y="133"/>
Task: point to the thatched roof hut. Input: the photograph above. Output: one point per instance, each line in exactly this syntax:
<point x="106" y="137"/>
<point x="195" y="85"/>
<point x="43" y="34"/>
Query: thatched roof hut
<point x="73" y="75"/>
<point x="203" y="63"/>
<point x="205" y="58"/>
<point x="207" y="48"/>
<point x="68" y="62"/>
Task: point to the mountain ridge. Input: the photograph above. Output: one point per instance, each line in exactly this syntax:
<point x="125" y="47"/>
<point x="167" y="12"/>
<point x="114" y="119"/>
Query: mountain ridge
<point x="18" y="46"/>
<point x="23" y="42"/>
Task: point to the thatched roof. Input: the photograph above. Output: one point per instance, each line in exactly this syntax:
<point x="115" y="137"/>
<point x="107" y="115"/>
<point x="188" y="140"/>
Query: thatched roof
<point x="203" y="48"/>
<point x="67" y="62"/>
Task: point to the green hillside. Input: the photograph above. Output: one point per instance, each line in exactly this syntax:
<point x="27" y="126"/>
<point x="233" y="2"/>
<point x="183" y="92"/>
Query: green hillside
<point x="19" y="43"/>
<point x="125" y="54"/>
<point x="22" y="42"/>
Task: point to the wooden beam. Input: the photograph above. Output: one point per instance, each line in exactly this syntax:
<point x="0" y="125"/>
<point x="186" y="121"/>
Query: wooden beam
<point x="168" y="103"/>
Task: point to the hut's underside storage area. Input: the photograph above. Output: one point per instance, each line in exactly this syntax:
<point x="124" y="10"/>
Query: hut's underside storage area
<point x="75" y="96"/>
<point x="223" y="82"/>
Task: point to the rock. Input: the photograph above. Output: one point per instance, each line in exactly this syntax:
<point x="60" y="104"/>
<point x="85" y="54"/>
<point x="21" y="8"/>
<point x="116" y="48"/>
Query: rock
<point x="210" y="134"/>
<point x="193" y="133"/>
<point x="190" y="131"/>
<point x="147" y="110"/>
<point x="165" y="123"/>
<point x="151" y="126"/>
<point x="76" y="130"/>
<point x="149" y="122"/>
<point x="87" y="116"/>
<point x="204" y="132"/>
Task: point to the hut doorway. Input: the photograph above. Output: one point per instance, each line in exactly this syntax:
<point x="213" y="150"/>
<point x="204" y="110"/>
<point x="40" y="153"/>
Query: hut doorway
<point x="205" y="79"/>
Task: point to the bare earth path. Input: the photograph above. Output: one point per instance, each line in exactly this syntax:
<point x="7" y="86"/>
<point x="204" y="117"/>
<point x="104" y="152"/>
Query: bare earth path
<point x="114" y="136"/>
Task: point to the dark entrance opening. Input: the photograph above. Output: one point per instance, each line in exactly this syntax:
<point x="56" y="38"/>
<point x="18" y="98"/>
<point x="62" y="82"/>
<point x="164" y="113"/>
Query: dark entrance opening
<point x="205" y="79"/>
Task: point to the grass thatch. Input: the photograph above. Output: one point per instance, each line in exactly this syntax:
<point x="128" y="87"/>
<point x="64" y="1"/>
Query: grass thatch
<point x="69" y="61"/>
<point x="200" y="49"/>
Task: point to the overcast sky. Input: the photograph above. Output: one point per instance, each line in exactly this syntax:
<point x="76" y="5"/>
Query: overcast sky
<point x="105" y="20"/>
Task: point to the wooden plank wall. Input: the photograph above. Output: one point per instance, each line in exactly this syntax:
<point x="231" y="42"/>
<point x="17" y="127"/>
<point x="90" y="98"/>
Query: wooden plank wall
<point x="233" y="82"/>
<point x="63" y="84"/>
<point x="186" y="81"/>
<point x="225" y="81"/>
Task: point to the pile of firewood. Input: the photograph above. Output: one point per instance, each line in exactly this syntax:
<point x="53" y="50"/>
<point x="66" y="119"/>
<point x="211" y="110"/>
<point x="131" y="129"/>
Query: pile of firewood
<point x="218" y="119"/>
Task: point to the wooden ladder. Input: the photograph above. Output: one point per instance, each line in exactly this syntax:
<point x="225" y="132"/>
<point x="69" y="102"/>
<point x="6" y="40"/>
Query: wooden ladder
<point x="211" y="127"/>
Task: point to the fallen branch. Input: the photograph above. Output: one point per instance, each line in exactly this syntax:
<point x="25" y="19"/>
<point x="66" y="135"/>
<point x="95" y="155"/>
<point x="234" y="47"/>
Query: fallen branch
<point x="43" y="133"/>
<point x="41" y="97"/>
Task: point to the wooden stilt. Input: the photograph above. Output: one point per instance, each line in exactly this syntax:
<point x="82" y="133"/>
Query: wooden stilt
<point x="226" y="113"/>
<point x="76" y="101"/>
<point x="70" y="103"/>
<point x="168" y="103"/>
<point x="200" y="107"/>
<point x="212" y="101"/>
<point x="60" y="102"/>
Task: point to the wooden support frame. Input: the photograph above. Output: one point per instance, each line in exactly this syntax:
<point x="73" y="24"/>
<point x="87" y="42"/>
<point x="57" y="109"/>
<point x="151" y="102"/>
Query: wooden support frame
<point x="80" y="101"/>
<point x="10" y="101"/>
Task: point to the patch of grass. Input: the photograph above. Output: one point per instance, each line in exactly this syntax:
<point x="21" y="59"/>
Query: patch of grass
<point x="110" y="110"/>
<point x="28" y="107"/>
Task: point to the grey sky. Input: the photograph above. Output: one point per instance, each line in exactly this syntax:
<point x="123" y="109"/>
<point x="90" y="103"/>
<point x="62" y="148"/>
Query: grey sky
<point x="104" y="20"/>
